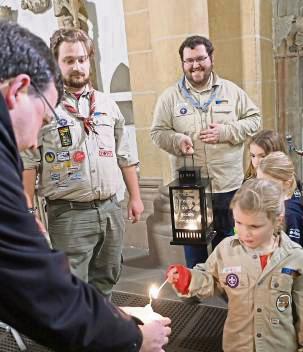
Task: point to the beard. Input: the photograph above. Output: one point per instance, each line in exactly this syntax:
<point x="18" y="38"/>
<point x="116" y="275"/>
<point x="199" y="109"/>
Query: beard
<point x="76" y="80"/>
<point x="200" y="79"/>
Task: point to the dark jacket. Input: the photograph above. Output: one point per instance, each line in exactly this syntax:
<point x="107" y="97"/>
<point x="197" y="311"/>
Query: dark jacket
<point x="294" y="217"/>
<point x="38" y="295"/>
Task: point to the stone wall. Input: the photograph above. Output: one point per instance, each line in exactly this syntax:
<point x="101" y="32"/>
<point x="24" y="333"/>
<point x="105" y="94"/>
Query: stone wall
<point x="288" y="55"/>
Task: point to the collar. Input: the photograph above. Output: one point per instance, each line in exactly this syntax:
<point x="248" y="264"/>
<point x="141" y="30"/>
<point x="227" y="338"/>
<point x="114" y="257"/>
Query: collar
<point x="285" y="242"/>
<point x="85" y="93"/>
<point x="214" y="80"/>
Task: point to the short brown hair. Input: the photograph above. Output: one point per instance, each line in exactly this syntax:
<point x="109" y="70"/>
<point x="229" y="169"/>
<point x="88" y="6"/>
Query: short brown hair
<point x="70" y="35"/>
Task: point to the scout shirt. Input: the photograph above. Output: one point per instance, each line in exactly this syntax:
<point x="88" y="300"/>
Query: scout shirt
<point x="77" y="166"/>
<point x="174" y="116"/>
<point x="261" y="304"/>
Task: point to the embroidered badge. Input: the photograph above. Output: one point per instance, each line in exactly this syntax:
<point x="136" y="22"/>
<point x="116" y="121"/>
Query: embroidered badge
<point x="65" y="136"/>
<point x="55" y="176"/>
<point x="63" y="156"/>
<point x="56" y="167"/>
<point x="232" y="280"/>
<point x="98" y="113"/>
<point x="183" y="111"/>
<point x="105" y="153"/>
<point x="76" y="176"/>
<point x="68" y="164"/>
<point x="231" y="269"/>
<point x="78" y="156"/>
<point x="62" y="122"/>
<point x="294" y="233"/>
<point x="289" y="271"/>
<point x="275" y="321"/>
<point x="283" y="302"/>
<point x="49" y="157"/>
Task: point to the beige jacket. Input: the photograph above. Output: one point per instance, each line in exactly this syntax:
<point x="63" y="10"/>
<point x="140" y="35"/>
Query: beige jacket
<point x="88" y="169"/>
<point x="174" y="116"/>
<point x="261" y="305"/>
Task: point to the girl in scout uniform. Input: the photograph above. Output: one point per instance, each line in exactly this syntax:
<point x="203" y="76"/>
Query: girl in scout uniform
<point x="278" y="167"/>
<point x="261" y="144"/>
<point x="260" y="270"/>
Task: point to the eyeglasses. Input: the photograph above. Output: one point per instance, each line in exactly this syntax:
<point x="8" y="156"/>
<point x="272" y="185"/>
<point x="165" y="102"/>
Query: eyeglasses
<point x="198" y="60"/>
<point x="43" y="97"/>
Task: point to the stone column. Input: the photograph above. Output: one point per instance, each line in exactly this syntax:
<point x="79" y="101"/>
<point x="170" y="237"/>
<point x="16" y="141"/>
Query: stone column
<point x="242" y="35"/>
<point x="288" y="54"/>
<point x="155" y="30"/>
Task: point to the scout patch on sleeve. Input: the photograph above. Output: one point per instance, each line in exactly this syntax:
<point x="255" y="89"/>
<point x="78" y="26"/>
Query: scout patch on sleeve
<point x="231" y="269"/>
<point x="232" y="280"/>
<point x="283" y="302"/>
<point x="49" y="157"/>
<point x="105" y="153"/>
<point x="65" y="136"/>
<point x="289" y="271"/>
<point x="63" y="156"/>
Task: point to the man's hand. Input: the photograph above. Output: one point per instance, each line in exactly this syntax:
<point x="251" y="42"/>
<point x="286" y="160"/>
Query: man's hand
<point x="186" y="145"/>
<point x="155" y="335"/>
<point x="212" y="134"/>
<point x="135" y="208"/>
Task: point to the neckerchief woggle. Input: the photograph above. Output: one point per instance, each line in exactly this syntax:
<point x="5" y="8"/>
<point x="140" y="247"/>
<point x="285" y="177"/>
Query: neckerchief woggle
<point x="194" y="102"/>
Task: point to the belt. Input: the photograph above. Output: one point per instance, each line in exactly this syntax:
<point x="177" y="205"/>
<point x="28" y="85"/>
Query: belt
<point x="80" y="205"/>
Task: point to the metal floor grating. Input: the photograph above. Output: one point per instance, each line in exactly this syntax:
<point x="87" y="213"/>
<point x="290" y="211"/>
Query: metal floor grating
<point x="195" y="327"/>
<point x="8" y="342"/>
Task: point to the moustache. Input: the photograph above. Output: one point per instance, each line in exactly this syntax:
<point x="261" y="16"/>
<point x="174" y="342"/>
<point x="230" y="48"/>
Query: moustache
<point x="77" y="73"/>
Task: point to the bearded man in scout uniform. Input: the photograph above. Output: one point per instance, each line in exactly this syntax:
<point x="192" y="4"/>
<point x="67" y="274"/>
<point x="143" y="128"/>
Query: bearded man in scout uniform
<point x="78" y="163"/>
<point x="209" y="117"/>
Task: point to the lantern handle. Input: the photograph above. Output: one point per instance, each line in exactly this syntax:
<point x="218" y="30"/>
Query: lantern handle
<point x="192" y="159"/>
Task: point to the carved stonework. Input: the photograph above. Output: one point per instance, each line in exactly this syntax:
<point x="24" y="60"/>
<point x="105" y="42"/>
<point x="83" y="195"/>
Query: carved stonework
<point x="71" y="13"/>
<point x="36" y="6"/>
<point x="6" y="13"/>
<point x="295" y="35"/>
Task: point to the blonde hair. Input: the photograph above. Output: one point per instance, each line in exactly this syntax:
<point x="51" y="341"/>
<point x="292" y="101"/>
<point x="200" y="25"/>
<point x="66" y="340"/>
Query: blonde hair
<point x="279" y="166"/>
<point x="270" y="141"/>
<point x="258" y="195"/>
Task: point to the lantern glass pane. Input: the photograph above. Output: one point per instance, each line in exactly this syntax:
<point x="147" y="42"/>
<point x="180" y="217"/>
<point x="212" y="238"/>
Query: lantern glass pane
<point x="187" y="211"/>
<point x="209" y="209"/>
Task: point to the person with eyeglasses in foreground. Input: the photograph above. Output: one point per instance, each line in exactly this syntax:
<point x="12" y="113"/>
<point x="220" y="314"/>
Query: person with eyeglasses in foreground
<point x="80" y="155"/>
<point x="210" y="118"/>
<point x="39" y="296"/>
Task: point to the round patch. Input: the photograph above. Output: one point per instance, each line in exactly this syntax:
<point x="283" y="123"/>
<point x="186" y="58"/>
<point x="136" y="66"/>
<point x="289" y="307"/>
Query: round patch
<point x="232" y="280"/>
<point x="183" y="111"/>
<point x="49" y="157"/>
<point x="62" y="122"/>
<point x="283" y="302"/>
<point x="79" y="156"/>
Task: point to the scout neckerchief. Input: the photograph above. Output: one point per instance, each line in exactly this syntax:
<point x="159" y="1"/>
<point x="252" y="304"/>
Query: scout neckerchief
<point x="194" y="102"/>
<point x="87" y="121"/>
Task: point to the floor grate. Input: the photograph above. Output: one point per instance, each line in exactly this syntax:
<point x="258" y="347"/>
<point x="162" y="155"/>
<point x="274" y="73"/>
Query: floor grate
<point x="195" y="327"/>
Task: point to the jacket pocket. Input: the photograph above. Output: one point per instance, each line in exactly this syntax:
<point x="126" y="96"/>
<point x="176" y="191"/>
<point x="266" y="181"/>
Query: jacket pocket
<point x="105" y="129"/>
<point x="281" y="283"/>
<point x="223" y="113"/>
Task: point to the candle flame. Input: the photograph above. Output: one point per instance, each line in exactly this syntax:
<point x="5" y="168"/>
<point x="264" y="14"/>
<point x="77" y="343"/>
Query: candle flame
<point x="153" y="292"/>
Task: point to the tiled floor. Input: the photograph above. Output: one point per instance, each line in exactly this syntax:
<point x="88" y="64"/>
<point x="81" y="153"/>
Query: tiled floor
<point x="139" y="274"/>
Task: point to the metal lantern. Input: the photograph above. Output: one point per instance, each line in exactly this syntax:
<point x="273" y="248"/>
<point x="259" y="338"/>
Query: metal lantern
<point x="191" y="208"/>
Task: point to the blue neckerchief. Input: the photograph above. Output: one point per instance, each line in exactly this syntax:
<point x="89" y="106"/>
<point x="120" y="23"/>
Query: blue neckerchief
<point x="194" y="102"/>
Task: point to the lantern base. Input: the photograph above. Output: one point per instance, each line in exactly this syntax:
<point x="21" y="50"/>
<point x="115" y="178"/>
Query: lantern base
<point x="193" y="237"/>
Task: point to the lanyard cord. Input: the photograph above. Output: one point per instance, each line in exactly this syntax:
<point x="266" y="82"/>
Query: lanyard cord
<point x="203" y="107"/>
<point x="194" y="102"/>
